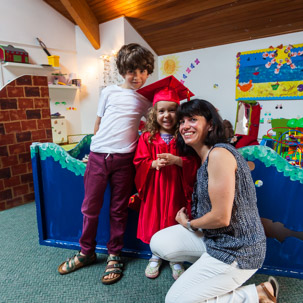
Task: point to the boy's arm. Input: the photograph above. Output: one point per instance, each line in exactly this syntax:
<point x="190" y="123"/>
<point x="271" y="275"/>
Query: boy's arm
<point x="97" y="124"/>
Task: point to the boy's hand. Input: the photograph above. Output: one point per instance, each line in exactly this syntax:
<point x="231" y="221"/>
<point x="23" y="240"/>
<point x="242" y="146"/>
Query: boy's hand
<point x="170" y="159"/>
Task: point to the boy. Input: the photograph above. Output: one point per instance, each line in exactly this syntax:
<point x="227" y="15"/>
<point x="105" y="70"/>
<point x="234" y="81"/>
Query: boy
<point x="112" y="150"/>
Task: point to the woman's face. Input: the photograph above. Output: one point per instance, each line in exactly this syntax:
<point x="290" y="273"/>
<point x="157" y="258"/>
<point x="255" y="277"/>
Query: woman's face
<point x="194" y="130"/>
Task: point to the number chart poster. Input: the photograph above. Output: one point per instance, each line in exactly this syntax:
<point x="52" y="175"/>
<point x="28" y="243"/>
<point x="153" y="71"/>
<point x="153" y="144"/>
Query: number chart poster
<point x="275" y="73"/>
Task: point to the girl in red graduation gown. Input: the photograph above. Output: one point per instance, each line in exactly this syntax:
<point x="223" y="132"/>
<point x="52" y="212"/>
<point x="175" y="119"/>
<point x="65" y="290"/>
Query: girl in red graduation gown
<point x="164" y="180"/>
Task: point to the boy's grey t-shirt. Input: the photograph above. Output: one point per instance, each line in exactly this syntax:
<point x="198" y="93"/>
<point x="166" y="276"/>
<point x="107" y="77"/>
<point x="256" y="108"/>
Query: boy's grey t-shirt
<point x="120" y="110"/>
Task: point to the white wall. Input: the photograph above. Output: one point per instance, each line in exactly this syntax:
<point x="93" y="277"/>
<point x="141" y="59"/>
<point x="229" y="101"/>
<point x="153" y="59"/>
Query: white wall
<point x="218" y="66"/>
<point x="21" y="22"/>
<point x="113" y="35"/>
<point x="132" y="36"/>
<point x="90" y="67"/>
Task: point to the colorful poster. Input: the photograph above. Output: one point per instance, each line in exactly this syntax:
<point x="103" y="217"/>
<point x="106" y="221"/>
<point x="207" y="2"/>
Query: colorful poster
<point x="269" y="74"/>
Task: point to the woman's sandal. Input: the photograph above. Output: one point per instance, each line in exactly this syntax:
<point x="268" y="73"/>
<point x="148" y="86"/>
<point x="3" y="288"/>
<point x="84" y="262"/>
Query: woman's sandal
<point x="71" y="263"/>
<point x="275" y="285"/>
<point x="116" y="269"/>
<point x="153" y="272"/>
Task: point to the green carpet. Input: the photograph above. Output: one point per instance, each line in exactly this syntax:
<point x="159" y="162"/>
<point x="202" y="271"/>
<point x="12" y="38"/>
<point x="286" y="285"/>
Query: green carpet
<point x="28" y="271"/>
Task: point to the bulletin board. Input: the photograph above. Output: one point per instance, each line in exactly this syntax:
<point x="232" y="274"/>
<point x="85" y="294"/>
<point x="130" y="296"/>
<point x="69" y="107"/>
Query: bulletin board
<point x="275" y="73"/>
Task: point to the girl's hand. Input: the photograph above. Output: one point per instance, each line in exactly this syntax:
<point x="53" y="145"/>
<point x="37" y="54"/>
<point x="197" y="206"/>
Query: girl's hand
<point x="170" y="159"/>
<point x="182" y="216"/>
<point x="157" y="164"/>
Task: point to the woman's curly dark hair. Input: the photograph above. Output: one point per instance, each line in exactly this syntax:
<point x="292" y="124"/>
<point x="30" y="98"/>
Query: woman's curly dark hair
<point x="199" y="107"/>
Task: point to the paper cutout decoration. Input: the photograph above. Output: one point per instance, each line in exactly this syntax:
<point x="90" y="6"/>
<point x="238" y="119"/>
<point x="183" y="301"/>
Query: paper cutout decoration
<point x="189" y="69"/>
<point x="170" y="65"/>
<point x="110" y="73"/>
<point x="269" y="74"/>
<point x="259" y="183"/>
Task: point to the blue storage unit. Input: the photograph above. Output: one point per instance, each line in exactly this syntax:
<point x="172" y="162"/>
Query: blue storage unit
<point x="59" y="192"/>
<point x="279" y="187"/>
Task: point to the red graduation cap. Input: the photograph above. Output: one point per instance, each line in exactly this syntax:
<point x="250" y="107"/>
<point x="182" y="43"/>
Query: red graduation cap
<point x="167" y="89"/>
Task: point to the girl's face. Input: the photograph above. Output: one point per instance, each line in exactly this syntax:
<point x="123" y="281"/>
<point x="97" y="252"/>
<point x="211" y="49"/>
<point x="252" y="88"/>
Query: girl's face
<point x="194" y="130"/>
<point x="166" y="116"/>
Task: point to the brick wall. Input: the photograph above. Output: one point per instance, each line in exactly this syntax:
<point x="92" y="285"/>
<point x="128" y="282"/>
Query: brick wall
<point x="24" y="118"/>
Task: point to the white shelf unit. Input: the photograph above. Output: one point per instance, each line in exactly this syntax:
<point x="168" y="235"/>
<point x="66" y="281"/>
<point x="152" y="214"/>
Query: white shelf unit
<point x="62" y="92"/>
<point x="11" y="70"/>
<point x="58" y="86"/>
<point x="14" y="65"/>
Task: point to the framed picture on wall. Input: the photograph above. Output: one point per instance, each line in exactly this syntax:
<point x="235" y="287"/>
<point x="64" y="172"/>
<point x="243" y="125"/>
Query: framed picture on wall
<point x="270" y="74"/>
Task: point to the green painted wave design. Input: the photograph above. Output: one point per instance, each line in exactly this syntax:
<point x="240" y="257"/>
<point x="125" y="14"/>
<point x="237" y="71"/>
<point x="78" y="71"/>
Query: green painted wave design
<point x="86" y="141"/>
<point x="262" y="153"/>
<point x="270" y="158"/>
<point x="66" y="159"/>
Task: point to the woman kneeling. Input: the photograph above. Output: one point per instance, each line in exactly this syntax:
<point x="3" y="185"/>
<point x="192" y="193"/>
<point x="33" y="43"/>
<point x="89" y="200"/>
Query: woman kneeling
<point x="225" y="241"/>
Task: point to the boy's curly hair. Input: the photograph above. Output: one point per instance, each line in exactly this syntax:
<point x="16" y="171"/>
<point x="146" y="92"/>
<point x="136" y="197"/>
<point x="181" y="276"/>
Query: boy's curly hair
<point x="152" y="125"/>
<point x="132" y="56"/>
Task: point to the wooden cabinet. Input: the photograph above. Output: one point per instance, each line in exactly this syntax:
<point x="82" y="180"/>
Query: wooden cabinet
<point x="59" y="129"/>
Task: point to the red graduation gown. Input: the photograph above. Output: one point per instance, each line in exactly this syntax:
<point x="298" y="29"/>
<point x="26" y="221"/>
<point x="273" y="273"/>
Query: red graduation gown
<point x="162" y="192"/>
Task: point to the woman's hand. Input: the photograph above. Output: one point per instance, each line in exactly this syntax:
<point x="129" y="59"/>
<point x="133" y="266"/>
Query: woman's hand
<point x="182" y="217"/>
<point x="170" y="159"/>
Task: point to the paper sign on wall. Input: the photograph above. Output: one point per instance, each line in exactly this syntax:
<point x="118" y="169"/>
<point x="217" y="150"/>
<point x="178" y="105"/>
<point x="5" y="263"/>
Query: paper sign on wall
<point x="269" y="74"/>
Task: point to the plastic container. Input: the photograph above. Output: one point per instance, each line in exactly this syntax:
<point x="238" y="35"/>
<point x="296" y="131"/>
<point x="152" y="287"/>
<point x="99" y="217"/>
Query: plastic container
<point x="53" y="60"/>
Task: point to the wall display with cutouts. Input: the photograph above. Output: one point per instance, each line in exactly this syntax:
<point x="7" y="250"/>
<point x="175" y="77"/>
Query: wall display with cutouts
<point x="269" y="74"/>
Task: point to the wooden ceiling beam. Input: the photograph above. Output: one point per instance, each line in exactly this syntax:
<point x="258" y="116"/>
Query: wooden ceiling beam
<point x="85" y="18"/>
<point x="171" y="26"/>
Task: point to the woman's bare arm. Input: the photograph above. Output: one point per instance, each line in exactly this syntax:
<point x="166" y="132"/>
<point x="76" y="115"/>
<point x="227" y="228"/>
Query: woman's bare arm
<point x="221" y="188"/>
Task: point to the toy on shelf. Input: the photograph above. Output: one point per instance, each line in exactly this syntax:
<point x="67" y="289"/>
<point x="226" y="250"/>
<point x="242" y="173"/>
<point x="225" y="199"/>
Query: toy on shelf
<point x="10" y="53"/>
<point x="289" y="140"/>
<point x="52" y="60"/>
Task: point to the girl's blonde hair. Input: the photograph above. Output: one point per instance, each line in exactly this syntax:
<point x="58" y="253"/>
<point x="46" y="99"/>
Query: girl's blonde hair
<point x="152" y="125"/>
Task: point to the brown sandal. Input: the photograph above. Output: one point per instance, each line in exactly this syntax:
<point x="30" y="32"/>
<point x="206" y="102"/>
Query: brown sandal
<point x="83" y="261"/>
<point x="275" y="285"/>
<point x="116" y="269"/>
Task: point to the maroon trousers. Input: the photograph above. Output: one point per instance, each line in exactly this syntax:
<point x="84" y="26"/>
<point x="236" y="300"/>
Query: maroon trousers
<point x="118" y="169"/>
